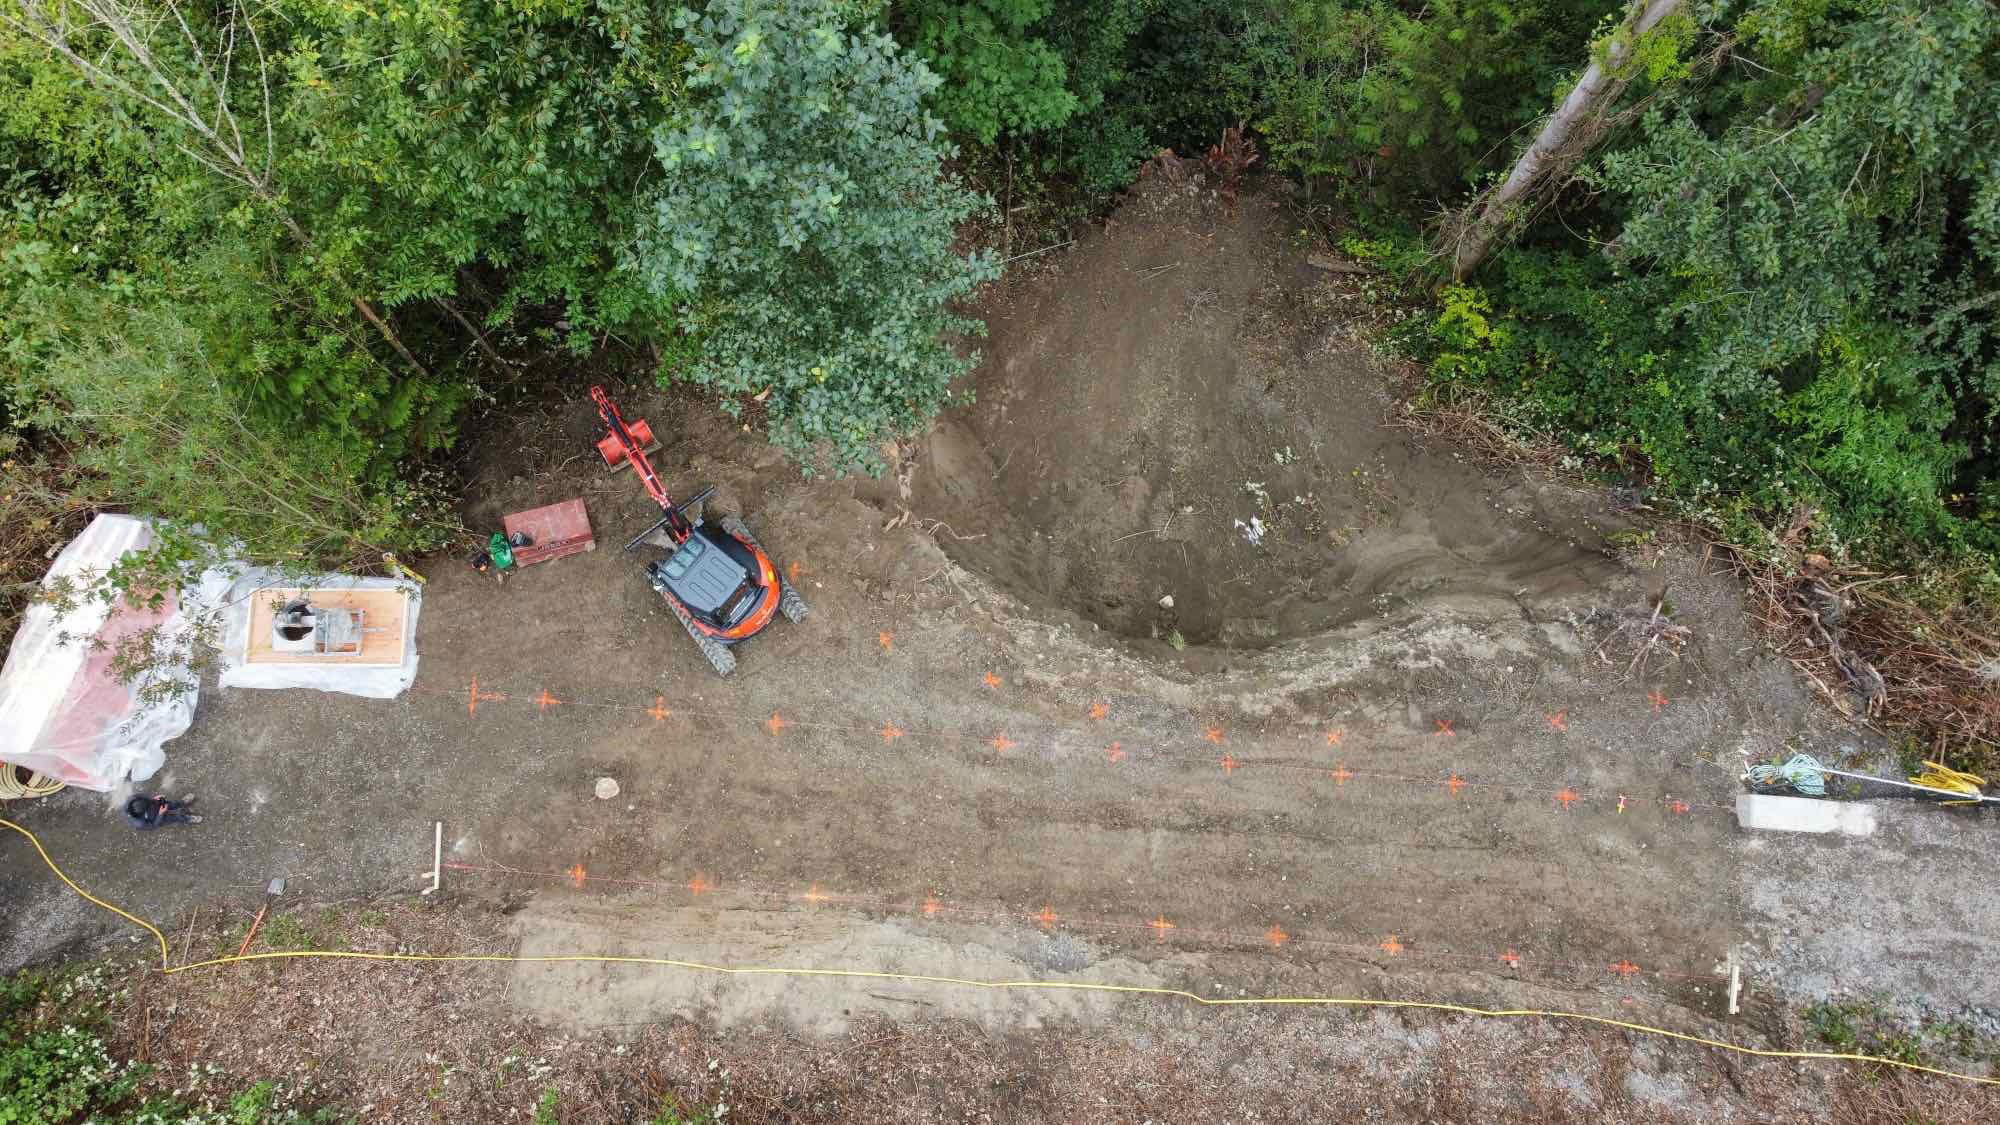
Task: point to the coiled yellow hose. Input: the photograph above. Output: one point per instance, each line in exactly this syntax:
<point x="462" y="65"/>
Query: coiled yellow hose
<point x="19" y="781"/>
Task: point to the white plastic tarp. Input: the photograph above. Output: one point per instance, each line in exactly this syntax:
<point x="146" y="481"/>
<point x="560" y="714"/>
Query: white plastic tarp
<point x="63" y="711"/>
<point x="376" y="681"/>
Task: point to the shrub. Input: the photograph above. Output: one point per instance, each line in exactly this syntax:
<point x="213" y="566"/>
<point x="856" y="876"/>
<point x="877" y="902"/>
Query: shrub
<point x="158" y="429"/>
<point x="802" y="221"/>
<point x="425" y="140"/>
<point x="1395" y="101"/>
<point x="1792" y="310"/>
<point x="59" y="1073"/>
<point x="55" y="1067"/>
<point x="999" y="74"/>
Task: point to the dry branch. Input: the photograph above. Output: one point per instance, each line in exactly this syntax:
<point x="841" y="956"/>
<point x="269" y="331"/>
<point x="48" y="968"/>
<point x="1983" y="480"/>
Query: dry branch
<point x="1645" y="637"/>
<point x="1909" y="669"/>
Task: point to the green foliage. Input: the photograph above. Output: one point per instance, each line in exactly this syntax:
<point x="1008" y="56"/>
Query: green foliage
<point x="1295" y="78"/>
<point x="212" y="225"/>
<point x="118" y="242"/>
<point x="1867" y="1027"/>
<point x="1082" y="91"/>
<point x="1833" y="1024"/>
<point x="1446" y="85"/>
<point x="1584" y="355"/>
<point x="1464" y="334"/>
<point x="52" y="1069"/>
<point x="1145" y="100"/>
<point x="287" y="932"/>
<point x="1792" y="311"/>
<point x="1662" y="54"/>
<point x="292" y="371"/>
<point x="402" y="162"/>
<point x="545" y="1108"/>
<point x="802" y="219"/>
<point x="1389" y="98"/>
<point x="1394" y="99"/>
<point x="673" y="1113"/>
<point x="999" y="75"/>
<point x="185" y="447"/>
<point x="1393" y="249"/>
<point x="19" y="993"/>
<point x="260" y="1104"/>
<point x="57" y="1074"/>
<point x="428" y="138"/>
<point x="55" y="1067"/>
<point x="1875" y="423"/>
<point x="1805" y="218"/>
<point x="80" y="186"/>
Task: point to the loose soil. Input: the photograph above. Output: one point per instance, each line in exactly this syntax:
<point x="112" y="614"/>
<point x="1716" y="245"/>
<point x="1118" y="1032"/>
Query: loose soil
<point x="995" y="602"/>
<point x="1182" y="381"/>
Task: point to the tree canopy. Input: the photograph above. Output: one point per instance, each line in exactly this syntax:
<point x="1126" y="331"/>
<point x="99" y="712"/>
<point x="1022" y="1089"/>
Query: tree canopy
<point x="1754" y="269"/>
<point x="803" y="220"/>
<point x="352" y="221"/>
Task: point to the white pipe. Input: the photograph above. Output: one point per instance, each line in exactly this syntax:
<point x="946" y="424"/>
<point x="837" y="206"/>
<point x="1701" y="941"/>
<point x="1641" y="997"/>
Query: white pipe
<point x="437" y="856"/>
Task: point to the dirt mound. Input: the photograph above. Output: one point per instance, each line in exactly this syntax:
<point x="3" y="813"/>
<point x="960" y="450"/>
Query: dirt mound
<point x="1176" y="432"/>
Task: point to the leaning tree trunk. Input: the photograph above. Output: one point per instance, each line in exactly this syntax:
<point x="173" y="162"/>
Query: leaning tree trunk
<point x="1576" y="126"/>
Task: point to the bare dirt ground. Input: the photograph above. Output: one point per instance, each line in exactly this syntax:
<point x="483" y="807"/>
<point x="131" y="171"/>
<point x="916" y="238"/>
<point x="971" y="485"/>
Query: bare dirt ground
<point x="1389" y="761"/>
<point x="1183" y="380"/>
<point x="404" y="1042"/>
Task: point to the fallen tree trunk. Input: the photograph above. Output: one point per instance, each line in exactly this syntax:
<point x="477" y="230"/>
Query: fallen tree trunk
<point x="1576" y="126"/>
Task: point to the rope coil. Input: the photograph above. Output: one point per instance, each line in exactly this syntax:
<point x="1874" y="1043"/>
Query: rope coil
<point x="1801" y="772"/>
<point x="1805" y="774"/>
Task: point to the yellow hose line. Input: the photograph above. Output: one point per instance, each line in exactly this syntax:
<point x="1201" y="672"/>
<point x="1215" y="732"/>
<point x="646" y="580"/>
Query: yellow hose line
<point x="67" y="881"/>
<point x="1041" y="985"/>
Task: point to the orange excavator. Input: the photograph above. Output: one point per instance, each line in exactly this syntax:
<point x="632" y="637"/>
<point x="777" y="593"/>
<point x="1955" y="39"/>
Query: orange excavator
<point x="721" y="585"/>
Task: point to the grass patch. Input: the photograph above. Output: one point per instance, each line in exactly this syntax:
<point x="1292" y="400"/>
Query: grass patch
<point x="673" y="1113"/>
<point x="285" y="932"/>
<point x="1866" y="1027"/>
<point x="1833" y="1025"/>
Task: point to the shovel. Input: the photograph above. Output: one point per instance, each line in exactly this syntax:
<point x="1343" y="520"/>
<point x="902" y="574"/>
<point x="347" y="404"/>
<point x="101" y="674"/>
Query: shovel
<point x="276" y="888"/>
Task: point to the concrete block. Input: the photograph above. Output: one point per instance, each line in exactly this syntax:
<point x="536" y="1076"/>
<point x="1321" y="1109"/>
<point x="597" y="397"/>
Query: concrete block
<point x="1766" y="812"/>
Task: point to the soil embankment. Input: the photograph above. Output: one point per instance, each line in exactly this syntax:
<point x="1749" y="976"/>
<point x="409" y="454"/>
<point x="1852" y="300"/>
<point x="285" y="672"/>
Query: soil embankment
<point x="1174" y="433"/>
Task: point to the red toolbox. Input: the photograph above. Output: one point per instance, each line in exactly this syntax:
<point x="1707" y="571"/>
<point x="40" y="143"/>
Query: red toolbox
<point x="555" y="531"/>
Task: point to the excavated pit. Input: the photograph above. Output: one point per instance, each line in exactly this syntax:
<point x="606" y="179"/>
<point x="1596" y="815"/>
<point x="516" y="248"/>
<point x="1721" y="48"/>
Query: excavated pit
<point x="1176" y="432"/>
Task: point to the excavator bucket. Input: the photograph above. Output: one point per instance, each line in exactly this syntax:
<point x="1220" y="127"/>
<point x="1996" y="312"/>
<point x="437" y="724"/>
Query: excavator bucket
<point x="614" y="454"/>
